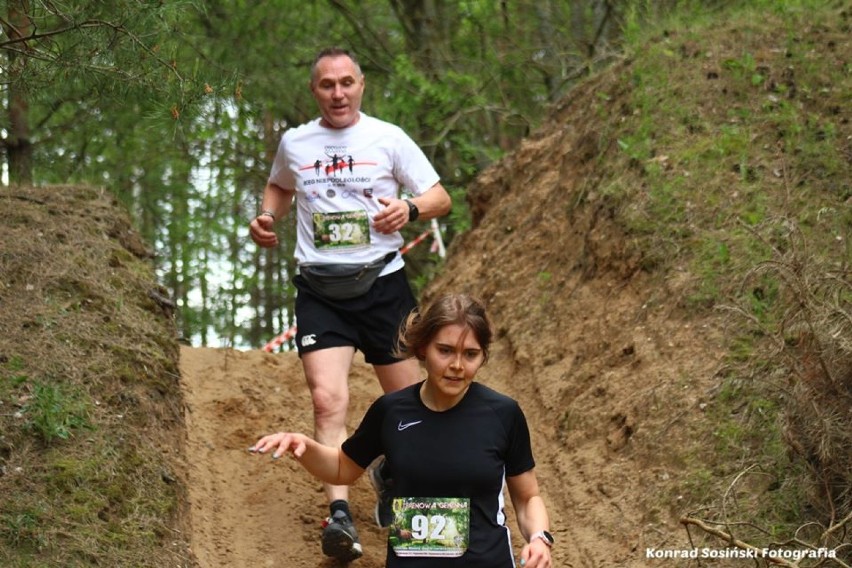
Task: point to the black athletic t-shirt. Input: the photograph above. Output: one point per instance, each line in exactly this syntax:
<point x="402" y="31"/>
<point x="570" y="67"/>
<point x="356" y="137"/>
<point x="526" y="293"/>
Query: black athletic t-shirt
<point x="463" y="452"/>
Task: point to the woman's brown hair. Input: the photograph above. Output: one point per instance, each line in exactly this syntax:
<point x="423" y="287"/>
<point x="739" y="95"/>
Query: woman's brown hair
<point x="421" y="326"/>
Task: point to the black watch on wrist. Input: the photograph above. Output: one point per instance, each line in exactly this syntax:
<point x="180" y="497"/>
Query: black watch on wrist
<point x="413" y="211"/>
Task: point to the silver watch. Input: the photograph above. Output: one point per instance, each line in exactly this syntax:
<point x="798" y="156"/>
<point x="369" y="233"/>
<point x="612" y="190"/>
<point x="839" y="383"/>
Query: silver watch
<point x="543" y="535"/>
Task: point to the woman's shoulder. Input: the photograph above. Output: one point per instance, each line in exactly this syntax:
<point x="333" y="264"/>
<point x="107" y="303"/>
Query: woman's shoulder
<point x="491" y="396"/>
<point x="403" y="394"/>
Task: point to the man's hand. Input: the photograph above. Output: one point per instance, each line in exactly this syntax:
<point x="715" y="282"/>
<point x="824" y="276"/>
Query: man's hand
<point x="261" y="231"/>
<point x="393" y="217"/>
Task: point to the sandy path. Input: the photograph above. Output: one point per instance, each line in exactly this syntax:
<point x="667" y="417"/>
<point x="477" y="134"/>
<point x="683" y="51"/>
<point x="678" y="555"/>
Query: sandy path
<point x="248" y="511"/>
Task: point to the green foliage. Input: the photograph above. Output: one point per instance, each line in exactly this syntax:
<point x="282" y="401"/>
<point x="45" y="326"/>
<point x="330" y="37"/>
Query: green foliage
<point x="544" y="278"/>
<point x="806" y="318"/>
<point x="752" y="474"/>
<point x="758" y="135"/>
<point x="20" y="529"/>
<point x="53" y="411"/>
<point x="12" y="375"/>
<point x="459" y="220"/>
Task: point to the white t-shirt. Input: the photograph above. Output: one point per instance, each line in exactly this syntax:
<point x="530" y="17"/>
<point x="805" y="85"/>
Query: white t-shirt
<point x="338" y="175"/>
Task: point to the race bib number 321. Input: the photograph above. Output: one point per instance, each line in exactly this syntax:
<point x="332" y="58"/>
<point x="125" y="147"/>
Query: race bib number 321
<point x="428" y="526"/>
<point x="344" y="230"/>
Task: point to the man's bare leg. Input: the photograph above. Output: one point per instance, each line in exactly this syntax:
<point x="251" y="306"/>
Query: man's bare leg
<point x="398" y="375"/>
<point x="327" y="374"/>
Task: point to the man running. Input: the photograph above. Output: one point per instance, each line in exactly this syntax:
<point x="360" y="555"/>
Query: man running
<point x="348" y="215"/>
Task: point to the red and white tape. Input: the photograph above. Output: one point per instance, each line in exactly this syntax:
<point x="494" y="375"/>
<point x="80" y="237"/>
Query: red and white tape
<point x="279" y="340"/>
<point x="420" y="238"/>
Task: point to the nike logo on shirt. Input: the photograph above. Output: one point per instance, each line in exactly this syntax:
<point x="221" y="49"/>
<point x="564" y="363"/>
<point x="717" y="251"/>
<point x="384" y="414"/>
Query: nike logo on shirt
<point x="402" y="426"/>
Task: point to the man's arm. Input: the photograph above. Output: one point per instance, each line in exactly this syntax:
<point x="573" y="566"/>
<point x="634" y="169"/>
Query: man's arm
<point x="275" y="205"/>
<point x="434" y="202"/>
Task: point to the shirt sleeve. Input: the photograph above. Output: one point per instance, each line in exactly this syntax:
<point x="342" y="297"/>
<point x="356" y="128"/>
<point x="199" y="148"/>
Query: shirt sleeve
<point x="365" y="444"/>
<point x="280" y="173"/>
<point x="411" y="166"/>
<point x="519" y="456"/>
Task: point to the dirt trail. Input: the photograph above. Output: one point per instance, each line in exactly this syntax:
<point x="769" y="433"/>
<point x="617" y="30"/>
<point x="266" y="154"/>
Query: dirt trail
<point x="248" y="511"/>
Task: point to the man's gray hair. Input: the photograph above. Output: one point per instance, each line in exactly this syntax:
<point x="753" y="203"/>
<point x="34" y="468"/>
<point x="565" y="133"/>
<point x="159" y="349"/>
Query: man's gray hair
<point x="334" y="52"/>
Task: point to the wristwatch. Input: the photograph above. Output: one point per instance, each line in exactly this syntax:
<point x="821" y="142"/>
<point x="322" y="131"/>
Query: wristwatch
<point x="543" y="535"/>
<point x="413" y="211"/>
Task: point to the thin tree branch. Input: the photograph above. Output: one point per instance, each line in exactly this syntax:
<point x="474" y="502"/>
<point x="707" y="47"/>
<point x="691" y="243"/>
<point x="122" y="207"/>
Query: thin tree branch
<point x="88" y="24"/>
<point x="735" y="542"/>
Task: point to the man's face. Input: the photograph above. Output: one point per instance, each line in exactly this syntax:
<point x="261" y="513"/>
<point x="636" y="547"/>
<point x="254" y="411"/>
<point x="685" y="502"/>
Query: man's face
<point x="338" y="86"/>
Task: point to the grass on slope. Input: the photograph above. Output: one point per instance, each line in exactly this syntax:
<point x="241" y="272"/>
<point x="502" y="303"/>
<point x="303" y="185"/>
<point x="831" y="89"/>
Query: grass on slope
<point x="90" y="412"/>
<point x="735" y="166"/>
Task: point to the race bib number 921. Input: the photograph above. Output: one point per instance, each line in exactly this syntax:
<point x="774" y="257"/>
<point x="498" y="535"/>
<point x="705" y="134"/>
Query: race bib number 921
<point x="427" y="526"/>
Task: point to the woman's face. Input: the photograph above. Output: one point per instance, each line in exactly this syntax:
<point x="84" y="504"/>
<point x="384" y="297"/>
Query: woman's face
<point x="452" y="359"/>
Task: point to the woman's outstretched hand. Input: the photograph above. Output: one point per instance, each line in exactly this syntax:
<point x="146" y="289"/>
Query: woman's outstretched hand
<point x="281" y="442"/>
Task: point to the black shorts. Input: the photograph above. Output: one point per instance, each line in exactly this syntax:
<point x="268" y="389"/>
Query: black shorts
<point x="369" y="322"/>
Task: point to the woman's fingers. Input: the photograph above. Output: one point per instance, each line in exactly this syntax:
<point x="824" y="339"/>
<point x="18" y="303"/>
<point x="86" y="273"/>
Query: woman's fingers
<point x="272" y="441"/>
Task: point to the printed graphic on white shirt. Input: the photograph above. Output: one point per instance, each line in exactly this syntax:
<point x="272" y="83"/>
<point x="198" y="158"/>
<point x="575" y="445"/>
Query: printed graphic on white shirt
<point x="336" y="172"/>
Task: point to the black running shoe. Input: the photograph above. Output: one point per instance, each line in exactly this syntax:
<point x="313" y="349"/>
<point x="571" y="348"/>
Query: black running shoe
<point x="340" y="539"/>
<point x="382" y="485"/>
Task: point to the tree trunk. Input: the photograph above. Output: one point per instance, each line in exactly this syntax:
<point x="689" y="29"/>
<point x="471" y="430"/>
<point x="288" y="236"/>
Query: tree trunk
<point x="18" y="146"/>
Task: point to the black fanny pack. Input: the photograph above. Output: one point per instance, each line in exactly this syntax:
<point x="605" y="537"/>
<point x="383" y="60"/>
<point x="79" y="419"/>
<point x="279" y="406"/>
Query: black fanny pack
<point x="343" y="281"/>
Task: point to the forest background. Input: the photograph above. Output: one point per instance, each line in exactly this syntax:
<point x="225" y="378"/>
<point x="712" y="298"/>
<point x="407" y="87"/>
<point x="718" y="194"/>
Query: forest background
<point x="177" y="107"/>
<point x="697" y="157"/>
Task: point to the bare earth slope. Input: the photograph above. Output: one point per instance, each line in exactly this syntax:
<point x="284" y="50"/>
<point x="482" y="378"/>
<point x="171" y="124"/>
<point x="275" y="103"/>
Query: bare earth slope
<point x="249" y="510"/>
